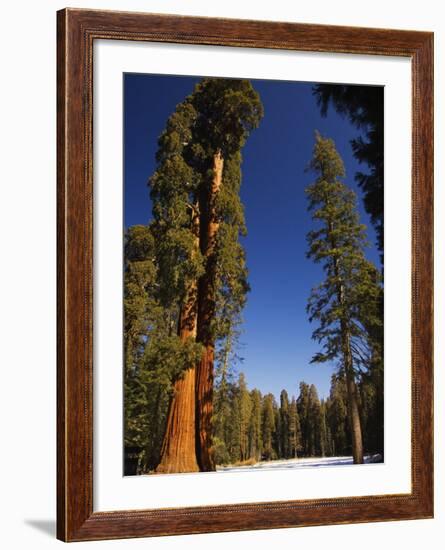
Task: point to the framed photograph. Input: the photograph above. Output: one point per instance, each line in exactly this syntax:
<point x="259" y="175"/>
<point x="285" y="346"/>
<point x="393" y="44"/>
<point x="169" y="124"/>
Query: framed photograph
<point x="245" y="230"/>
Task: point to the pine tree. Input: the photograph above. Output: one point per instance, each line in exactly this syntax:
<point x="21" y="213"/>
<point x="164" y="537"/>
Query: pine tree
<point x="284" y="424"/>
<point x="245" y="410"/>
<point x="314" y="423"/>
<point x="294" y="430"/>
<point x="223" y="395"/>
<point x="198" y="219"/>
<point x="348" y="297"/>
<point x="255" y="434"/>
<point x="139" y="276"/>
<point x="304" y="417"/>
<point x="371" y="397"/>
<point x="268" y="426"/>
<point x="325" y="439"/>
<point x="363" y="106"/>
<point x="337" y="416"/>
<point x="276" y="436"/>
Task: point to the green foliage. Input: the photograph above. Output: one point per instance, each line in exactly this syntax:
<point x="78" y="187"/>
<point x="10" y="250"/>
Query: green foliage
<point x="347" y="301"/>
<point x="250" y="427"/>
<point x="284" y="422"/>
<point x="154" y="354"/>
<point x="337" y="417"/>
<point x="314" y="443"/>
<point x="139" y="278"/>
<point x="303" y="414"/>
<point x="324" y="432"/>
<point x="173" y="190"/>
<point x="363" y="105"/>
<point x="220" y="451"/>
<point x="295" y="438"/>
<point x="217" y="116"/>
<point x="255" y="426"/>
<point x="163" y="261"/>
<point x="140" y="311"/>
<point x="268" y="427"/>
<point x="347" y="305"/>
<point x="244" y="409"/>
<point x="228" y="110"/>
<point x="313" y="435"/>
<point x="371" y="394"/>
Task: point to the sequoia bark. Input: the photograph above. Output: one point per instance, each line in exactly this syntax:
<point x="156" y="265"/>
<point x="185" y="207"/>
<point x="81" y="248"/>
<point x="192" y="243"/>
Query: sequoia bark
<point x="206" y="314"/>
<point x="178" y="452"/>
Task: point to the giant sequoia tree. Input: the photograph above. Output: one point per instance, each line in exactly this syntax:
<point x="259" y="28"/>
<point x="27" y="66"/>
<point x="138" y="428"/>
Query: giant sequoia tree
<point x="346" y="303"/>
<point x="198" y="220"/>
<point x="154" y="354"/>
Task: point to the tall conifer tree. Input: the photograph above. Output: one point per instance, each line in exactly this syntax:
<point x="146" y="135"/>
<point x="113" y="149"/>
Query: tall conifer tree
<point x="284" y="424"/>
<point x="268" y="426"/>
<point x="255" y="432"/>
<point x="348" y="299"/>
<point x="363" y="106"/>
<point x="303" y="414"/>
<point x="199" y="218"/>
<point x="294" y="430"/>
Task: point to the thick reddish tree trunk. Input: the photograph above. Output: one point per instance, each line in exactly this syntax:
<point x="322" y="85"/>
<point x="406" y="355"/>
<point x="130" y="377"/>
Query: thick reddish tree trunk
<point x="206" y="314"/>
<point x="204" y="410"/>
<point x="178" y="452"/>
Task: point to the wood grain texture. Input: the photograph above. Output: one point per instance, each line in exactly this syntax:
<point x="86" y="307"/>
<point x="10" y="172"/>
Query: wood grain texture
<point x="76" y="32"/>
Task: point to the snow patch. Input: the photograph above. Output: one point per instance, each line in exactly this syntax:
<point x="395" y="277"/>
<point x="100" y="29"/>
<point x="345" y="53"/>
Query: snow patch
<point x="293" y="463"/>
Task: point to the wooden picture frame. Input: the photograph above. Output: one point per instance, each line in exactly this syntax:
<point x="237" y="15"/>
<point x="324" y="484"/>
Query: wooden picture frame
<point x="77" y="31"/>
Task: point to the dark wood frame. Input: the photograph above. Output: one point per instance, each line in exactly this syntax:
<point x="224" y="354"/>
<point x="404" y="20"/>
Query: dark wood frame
<point x="77" y="30"/>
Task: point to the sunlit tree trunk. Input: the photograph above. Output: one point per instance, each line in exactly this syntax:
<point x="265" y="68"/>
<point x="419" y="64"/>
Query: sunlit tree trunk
<point x="178" y="453"/>
<point x="206" y="315"/>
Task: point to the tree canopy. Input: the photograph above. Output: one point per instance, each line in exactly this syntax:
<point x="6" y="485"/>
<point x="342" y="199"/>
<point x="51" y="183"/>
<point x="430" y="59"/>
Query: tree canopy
<point x="187" y="407"/>
<point x="363" y="106"/>
<point x="346" y="304"/>
<point x="198" y="219"/>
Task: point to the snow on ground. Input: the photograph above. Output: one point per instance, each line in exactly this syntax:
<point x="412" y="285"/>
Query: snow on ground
<point x="293" y="463"/>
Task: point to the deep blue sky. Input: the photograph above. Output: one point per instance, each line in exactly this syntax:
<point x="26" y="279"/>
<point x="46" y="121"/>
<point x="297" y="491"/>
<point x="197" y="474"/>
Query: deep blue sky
<point x="276" y="339"/>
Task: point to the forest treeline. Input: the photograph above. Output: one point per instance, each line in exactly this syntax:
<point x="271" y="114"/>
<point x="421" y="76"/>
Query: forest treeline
<point x="186" y="283"/>
<point x="250" y="427"/>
